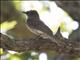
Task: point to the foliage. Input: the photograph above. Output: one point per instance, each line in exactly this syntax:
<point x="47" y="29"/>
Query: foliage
<point x="13" y="25"/>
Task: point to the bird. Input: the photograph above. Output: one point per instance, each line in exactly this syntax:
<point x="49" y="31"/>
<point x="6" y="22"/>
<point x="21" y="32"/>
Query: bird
<point x="37" y="26"/>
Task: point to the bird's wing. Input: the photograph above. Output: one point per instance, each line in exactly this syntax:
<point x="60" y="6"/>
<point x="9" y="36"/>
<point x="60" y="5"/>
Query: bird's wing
<point x="39" y="26"/>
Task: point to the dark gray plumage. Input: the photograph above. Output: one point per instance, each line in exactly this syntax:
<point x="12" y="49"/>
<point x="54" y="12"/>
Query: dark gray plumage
<point x="37" y="26"/>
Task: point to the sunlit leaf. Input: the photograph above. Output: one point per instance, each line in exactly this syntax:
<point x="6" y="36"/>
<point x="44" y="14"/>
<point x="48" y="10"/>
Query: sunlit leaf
<point x="17" y="4"/>
<point x="5" y="26"/>
<point x="14" y="57"/>
<point x="63" y="26"/>
<point x="1" y="51"/>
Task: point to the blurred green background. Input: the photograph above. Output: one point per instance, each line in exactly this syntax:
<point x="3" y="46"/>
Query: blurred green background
<point x="13" y="29"/>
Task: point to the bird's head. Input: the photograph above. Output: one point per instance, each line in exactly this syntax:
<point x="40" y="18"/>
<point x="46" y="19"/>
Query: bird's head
<point x="32" y="13"/>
